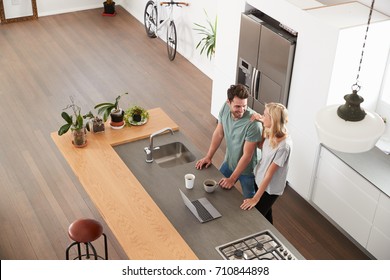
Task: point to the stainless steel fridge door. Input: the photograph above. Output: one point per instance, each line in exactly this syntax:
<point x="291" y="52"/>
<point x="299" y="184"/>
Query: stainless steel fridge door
<point x="276" y="54"/>
<point x="250" y="30"/>
<point x="248" y="50"/>
<point x="270" y="92"/>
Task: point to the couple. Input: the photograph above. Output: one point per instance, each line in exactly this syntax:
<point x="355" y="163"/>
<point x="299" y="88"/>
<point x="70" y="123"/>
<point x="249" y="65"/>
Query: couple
<point x="245" y="130"/>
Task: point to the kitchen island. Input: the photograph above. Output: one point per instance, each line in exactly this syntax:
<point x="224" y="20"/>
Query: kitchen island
<point x="138" y="213"/>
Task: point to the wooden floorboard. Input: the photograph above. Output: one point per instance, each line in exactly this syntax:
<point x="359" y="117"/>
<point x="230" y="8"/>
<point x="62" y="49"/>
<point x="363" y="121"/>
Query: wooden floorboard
<point x="95" y="58"/>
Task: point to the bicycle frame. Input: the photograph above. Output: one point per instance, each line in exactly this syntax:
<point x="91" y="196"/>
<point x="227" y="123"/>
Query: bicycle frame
<point x="153" y="25"/>
<point x="159" y="24"/>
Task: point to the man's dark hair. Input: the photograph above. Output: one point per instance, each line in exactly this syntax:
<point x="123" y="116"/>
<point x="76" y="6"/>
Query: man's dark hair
<point x="238" y="90"/>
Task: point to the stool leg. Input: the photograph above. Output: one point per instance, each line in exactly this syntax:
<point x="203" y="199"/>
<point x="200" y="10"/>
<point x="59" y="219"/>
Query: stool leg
<point x="87" y="250"/>
<point x="79" y="250"/>
<point x="105" y="246"/>
<point x="93" y="249"/>
<point x="67" y="249"/>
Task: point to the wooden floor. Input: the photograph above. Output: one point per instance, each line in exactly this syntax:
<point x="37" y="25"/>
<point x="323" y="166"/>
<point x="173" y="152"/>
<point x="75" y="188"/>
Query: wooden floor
<point x="95" y="58"/>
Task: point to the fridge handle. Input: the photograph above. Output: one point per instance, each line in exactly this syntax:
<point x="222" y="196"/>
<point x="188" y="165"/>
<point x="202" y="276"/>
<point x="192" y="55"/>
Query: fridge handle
<point x="251" y="91"/>
<point x="255" y="83"/>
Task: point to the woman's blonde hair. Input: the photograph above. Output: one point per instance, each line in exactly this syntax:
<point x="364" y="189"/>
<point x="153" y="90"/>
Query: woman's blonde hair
<point x="279" y="119"/>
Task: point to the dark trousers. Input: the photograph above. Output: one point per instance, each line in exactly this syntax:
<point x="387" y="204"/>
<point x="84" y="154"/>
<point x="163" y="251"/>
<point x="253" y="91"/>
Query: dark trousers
<point x="265" y="205"/>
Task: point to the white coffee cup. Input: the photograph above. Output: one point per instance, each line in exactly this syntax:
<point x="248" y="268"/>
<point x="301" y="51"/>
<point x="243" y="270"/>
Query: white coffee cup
<point x="190" y="180"/>
<point x="209" y="185"/>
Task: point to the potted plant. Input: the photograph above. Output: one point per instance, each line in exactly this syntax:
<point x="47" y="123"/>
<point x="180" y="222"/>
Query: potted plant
<point x="209" y="39"/>
<point x="114" y="111"/>
<point x="95" y="123"/>
<point x="74" y="122"/>
<point x="109" y="8"/>
<point x="136" y="115"/>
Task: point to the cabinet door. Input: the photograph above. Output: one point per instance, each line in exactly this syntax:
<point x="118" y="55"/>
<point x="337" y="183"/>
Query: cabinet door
<point x="346" y="197"/>
<point x="379" y="241"/>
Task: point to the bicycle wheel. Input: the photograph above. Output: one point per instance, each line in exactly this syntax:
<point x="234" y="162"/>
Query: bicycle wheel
<point x="171" y="40"/>
<point x="150" y="19"/>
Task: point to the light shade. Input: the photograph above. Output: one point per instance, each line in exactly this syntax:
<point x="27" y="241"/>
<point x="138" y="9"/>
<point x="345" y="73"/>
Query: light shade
<point x="348" y="136"/>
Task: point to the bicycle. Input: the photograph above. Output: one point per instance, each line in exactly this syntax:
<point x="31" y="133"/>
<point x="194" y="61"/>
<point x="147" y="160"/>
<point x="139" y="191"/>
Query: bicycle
<point x="153" y="25"/>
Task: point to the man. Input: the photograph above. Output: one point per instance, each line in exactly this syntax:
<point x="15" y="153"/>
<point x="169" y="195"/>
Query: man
<point x="241" y="136"/>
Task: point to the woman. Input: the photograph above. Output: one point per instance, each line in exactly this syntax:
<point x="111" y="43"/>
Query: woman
<point x="271" y="171"/>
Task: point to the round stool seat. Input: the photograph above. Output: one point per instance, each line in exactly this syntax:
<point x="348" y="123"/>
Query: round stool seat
<point x="85" y="230"/>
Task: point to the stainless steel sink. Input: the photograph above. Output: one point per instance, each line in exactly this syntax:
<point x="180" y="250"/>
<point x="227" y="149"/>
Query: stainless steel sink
<point x="172" y="154"/>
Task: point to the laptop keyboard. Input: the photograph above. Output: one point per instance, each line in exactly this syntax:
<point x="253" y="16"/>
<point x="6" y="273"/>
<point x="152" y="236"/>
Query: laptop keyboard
<point x="202" y="211"/>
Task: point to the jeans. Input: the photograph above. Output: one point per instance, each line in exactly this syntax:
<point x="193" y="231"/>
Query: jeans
<point x="247" y="181"/>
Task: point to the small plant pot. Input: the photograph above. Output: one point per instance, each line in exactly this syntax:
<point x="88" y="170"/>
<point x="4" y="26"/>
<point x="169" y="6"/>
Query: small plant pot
<point x="97" y="125"/>
<point x="117" y="118"/>
<point x="79" y="138"/>
<point x="137" y="117"/>
<point x="109" y="9"/>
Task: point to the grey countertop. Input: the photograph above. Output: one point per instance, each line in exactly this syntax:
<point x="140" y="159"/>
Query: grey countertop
<point x="373" y="165"/>
<point x="163" y="185"/>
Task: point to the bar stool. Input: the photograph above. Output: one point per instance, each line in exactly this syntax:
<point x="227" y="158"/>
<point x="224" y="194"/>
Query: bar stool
<point x="85" y="231"/>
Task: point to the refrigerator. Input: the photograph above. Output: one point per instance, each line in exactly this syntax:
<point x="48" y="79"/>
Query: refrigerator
<point x="265" y="60"/>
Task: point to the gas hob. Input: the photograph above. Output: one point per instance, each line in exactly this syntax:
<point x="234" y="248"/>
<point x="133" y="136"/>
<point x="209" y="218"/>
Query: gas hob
<point x="259" y="246"/>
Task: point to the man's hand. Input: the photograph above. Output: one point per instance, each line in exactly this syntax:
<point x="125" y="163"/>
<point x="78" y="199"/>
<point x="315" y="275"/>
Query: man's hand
<point x="226" y="183"/>
<point x="204" y="162"/>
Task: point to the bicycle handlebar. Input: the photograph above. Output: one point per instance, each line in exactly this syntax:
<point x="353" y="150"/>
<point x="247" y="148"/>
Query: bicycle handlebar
<point x="175" y="3"/>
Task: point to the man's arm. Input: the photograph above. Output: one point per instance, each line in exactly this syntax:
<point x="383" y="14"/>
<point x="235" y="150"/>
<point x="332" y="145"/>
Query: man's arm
<point x="248" y="150"/>
<point x="216" y="140"/>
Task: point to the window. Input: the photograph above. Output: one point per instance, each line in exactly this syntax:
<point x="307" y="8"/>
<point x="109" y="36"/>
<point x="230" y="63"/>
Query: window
<point x="385" y="89"/>
<point x="383" y="105"/>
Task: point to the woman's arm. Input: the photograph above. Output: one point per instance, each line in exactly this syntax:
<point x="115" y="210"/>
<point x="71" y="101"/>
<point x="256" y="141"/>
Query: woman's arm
<point x="251" y="202"/>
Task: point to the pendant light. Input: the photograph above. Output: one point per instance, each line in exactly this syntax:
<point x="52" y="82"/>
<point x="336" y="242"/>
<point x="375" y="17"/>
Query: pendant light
<point x="349" y="128"/>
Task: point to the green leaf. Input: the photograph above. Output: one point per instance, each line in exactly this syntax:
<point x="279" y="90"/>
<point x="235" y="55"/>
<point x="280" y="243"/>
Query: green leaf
<point x="89" y="115"/>
<point x="66" y="117"/>
<point x="79" y="122"/>
<point x="64" y="129"/>
<point x="105" y="115"/>
<point x="104" y="104"/>
<point x="208" y="42"/>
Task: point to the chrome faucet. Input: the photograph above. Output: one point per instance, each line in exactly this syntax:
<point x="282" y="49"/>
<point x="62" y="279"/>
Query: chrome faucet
<point x="149" y="150"/>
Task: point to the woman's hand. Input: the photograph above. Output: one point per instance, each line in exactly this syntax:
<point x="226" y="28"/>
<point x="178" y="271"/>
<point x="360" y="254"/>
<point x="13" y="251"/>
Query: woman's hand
<point x="249" y="203"/>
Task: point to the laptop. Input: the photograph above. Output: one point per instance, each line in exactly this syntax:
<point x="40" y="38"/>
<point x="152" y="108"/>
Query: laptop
<point x="201" y="208"/>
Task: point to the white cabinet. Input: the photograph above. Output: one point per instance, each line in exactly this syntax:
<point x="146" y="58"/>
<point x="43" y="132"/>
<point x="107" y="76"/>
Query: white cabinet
<point x="379" y="241"/>
<point x="353" y="203"/>
<point x="346" y="197"/>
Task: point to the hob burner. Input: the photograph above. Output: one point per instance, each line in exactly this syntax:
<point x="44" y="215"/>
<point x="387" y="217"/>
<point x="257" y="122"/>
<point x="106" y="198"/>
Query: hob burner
<point x="240" y="255"/>
<point x="259" y="246"/>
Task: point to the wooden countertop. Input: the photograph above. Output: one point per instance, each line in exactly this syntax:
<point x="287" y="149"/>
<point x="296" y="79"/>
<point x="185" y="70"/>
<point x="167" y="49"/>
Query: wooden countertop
<point x="137" y="222"/>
